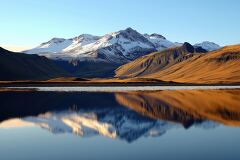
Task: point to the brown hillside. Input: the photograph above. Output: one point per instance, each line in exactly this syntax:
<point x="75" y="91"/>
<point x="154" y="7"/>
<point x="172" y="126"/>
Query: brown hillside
<point x="156" y="61"/>
<point x="221" y="66"/>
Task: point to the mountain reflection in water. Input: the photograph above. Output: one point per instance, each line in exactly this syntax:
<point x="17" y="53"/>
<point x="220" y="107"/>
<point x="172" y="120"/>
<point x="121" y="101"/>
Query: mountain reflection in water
<point x="123" y="115"/>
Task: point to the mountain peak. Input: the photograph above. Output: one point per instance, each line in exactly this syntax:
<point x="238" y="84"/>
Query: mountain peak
<point x="57" y="39"/>
<point x="134" y="37"/>
<point x="188" y="47"/>
<point x="54" y="40"/>
<point x="85" y="37"/>
<point x="157" y="36"/>
<point x="129" y="29"/>
<point x="209" y="46"/>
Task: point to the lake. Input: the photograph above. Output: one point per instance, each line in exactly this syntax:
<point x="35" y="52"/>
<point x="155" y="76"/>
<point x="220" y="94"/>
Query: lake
<point x="120" y="123"/>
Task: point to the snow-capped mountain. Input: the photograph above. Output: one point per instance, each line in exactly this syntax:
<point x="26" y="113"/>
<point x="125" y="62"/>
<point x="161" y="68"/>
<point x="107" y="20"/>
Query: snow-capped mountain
<point x="209" y="46"/>
<point x="57" y="45"/>
<point x="118" y="47"/>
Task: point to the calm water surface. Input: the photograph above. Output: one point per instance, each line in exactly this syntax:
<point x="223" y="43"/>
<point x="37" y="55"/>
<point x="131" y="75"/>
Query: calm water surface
<point x="168" y="124"/>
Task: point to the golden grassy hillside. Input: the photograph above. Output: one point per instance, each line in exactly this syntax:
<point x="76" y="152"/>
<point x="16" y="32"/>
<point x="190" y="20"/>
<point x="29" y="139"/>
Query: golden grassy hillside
<point x="221" y="66"/>
<point x="156" y="61"/>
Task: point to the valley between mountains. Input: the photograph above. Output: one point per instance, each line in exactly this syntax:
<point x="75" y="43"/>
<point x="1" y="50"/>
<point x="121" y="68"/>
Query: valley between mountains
<point x="125" y="56"/>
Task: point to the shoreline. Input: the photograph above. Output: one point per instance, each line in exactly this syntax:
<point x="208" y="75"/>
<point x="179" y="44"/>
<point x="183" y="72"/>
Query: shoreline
<point x="103" y="84"/>
<point x="118" y="88"/>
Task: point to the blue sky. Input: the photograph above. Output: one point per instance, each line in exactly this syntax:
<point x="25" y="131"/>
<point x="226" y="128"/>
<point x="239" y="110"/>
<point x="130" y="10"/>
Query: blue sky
<point x="27" y="23"/>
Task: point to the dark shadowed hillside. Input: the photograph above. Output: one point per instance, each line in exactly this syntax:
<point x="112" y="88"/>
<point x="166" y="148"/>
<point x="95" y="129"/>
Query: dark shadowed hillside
<point x="20" y="66"/>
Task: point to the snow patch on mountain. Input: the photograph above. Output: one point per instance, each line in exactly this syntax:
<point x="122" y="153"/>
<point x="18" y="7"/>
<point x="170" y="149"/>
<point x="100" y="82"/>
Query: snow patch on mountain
<point x="55" y="45"/>
<point x="209" y="46"/>
<point x="159" y="41"/>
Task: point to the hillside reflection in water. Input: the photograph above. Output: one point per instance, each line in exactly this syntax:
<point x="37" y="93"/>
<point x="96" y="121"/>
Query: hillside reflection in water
<point x="126" y="116"/>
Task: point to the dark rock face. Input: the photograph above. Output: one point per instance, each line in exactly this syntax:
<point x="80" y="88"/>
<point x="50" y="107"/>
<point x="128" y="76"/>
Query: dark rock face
<point x="200" y="50"/>
<point x="191" y="49"/>
<point x="228" y="56"/>
<point x="188" y="47"/>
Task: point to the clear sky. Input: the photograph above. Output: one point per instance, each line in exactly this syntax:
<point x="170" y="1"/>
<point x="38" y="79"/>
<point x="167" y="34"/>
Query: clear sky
<point x="27" y="23"/>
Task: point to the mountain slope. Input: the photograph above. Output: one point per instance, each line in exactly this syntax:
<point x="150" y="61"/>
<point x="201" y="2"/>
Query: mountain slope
<point x="88" y="69"/>
<point x="20" y="66"/>
<point x="220" y="66"/>
<point x="157" y="61"/>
